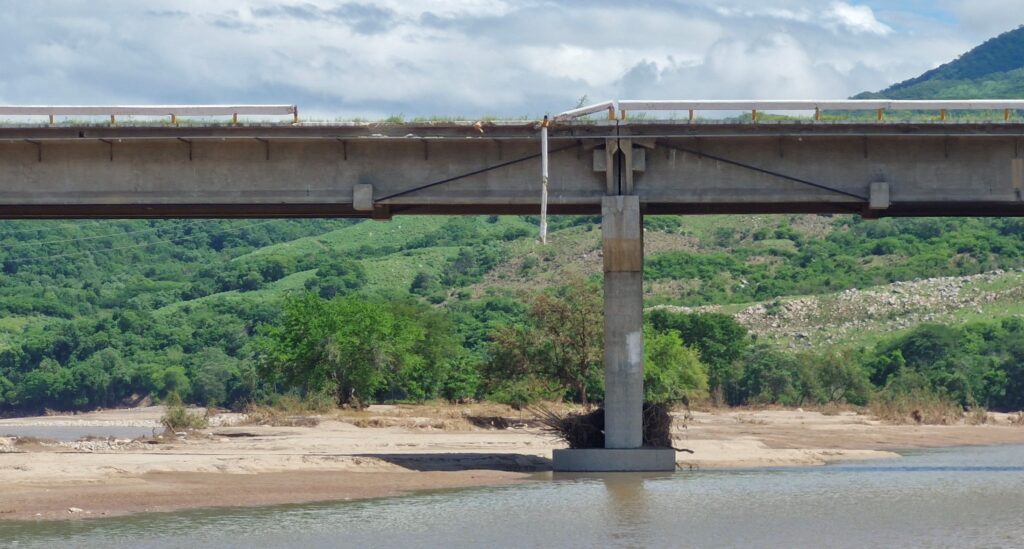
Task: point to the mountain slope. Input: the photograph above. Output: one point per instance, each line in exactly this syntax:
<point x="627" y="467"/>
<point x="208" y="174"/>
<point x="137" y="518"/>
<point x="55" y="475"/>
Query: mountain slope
<point x="993" y="70"/>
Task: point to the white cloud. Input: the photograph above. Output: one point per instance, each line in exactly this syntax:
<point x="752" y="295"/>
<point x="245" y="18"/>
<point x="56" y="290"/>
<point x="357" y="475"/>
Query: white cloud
<point x="855" y="19"/>
<point x="989" y="17"/>
<point x="776" y="66"/>
<point x="457" y="57"/>
<point x="801" y="15"/>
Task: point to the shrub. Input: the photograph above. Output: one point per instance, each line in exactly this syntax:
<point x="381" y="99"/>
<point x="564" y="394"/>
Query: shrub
<point x="672" y="371"/>
<point x="909" y="399"/>
<point x="977" y="416"/>
<point x="523" y="391"/>
<point x="177" y="418"/>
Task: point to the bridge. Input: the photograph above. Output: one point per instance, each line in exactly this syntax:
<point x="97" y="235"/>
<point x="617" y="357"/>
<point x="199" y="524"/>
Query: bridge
<point x="621" y="159"/>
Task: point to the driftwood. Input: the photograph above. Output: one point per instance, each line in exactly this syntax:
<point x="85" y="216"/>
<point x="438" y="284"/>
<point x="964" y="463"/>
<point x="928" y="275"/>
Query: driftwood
<point x="586" y="430"/>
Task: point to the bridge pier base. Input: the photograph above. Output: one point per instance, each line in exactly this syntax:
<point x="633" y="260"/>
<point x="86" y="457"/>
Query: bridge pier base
<point x="622" y="234"/>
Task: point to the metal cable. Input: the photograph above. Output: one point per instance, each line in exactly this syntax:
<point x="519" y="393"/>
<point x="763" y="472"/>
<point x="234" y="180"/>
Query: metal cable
<point x="768" y="172"/>
<point x="472" y="173"/>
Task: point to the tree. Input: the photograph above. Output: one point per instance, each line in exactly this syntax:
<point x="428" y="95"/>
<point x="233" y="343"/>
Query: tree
<point x="211" y="372"/>
<point x="842" y="378"/>
<point x="174" y="380"/>
<point x="7" y="394"/>
<point x="672" y="371"/>
<point x="769" y="377"/>
<point x="720" y="340"/>
<point x="345" y="346"/>
<point x="437" y="351"/>
<point x="339" y="278"/>
<point x="49" y="385"/>
<point x="562" y="342"/>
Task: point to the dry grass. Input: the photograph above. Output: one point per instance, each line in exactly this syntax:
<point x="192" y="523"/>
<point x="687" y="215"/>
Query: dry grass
<point x="977" y="416"/>
<point x="1017" y="419"/>
<point x="916" y="407"/>
<point x="177" y="418"/>
<point x="312" y="404"/>
<point x="32" y="441"/>
<point x="440" y="415"/>
<point x="834" y="408"/>
<point x="279" y="417"/>
<point x="751" y="420"/>
<point x="293" y="412"/>
<point x="411" y="423"/>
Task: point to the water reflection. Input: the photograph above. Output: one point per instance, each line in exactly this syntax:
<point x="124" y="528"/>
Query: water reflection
<point x="627" y="507"/>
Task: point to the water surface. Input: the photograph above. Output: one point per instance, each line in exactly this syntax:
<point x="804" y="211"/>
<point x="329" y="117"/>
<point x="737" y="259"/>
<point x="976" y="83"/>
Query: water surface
<point x="70" y="433"/>
<point x="962" y="497"/>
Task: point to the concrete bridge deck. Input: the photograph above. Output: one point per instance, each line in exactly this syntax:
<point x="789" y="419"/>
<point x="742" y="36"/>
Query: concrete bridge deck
<point x="928" y="168"/>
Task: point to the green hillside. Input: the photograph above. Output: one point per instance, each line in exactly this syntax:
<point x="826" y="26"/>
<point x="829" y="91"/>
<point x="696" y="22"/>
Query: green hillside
<point x="993" y="70"/>
<point x="95" y="313"/>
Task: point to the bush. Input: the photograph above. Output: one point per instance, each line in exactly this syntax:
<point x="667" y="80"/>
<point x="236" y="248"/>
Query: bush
<point x="665" y="223"/>
<point x="177" y="418"/>
<point x="720" y="340"/>
<point x="521" y="392"/>
<point x="909" y="399"/>
<point x="672" y="371"/>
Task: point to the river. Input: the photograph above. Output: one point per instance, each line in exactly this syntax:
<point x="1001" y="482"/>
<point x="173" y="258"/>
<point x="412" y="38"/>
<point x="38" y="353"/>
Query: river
<point x="959" y="497"/>
<point x="71" y="433"/>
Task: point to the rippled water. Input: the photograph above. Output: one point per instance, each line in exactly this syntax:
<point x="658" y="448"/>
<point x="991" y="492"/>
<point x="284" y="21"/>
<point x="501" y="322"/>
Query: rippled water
<point x="963" y="497"/>
<point x="70" y="433"/>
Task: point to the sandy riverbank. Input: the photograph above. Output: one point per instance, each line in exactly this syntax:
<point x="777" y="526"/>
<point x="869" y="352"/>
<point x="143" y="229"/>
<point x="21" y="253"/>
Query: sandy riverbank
<point x="410" y="448"/>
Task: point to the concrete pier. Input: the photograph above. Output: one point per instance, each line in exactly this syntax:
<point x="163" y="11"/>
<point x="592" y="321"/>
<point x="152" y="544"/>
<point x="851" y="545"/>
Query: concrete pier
<point x="622" y="233"/>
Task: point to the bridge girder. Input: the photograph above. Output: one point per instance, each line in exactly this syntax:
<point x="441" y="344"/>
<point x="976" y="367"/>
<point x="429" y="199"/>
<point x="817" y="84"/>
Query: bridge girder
<point x="677" y="168"/>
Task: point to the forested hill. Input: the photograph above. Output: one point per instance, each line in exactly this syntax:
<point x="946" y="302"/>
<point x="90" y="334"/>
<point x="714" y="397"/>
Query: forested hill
<point x="993" y="70"/>
<point x="102" y="313"/>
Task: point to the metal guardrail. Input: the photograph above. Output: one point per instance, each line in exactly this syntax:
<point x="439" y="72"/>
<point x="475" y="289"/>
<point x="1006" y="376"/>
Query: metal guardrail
<point x="880" y="106"/>
<point x="172" y="111"/>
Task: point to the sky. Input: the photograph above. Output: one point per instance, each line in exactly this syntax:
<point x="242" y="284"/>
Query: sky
<point x="475" y="58"/>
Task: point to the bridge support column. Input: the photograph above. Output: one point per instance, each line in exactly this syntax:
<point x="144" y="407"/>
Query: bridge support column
<point x="622" y="232"/>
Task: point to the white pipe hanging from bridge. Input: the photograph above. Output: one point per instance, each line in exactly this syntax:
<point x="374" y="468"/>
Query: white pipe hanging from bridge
<point x="544" y="181"/>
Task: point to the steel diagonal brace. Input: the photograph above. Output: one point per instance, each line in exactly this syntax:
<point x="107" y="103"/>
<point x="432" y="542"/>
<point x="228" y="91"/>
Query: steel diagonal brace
<point x="473" y="173"/>
<point x="765" y="172"/>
